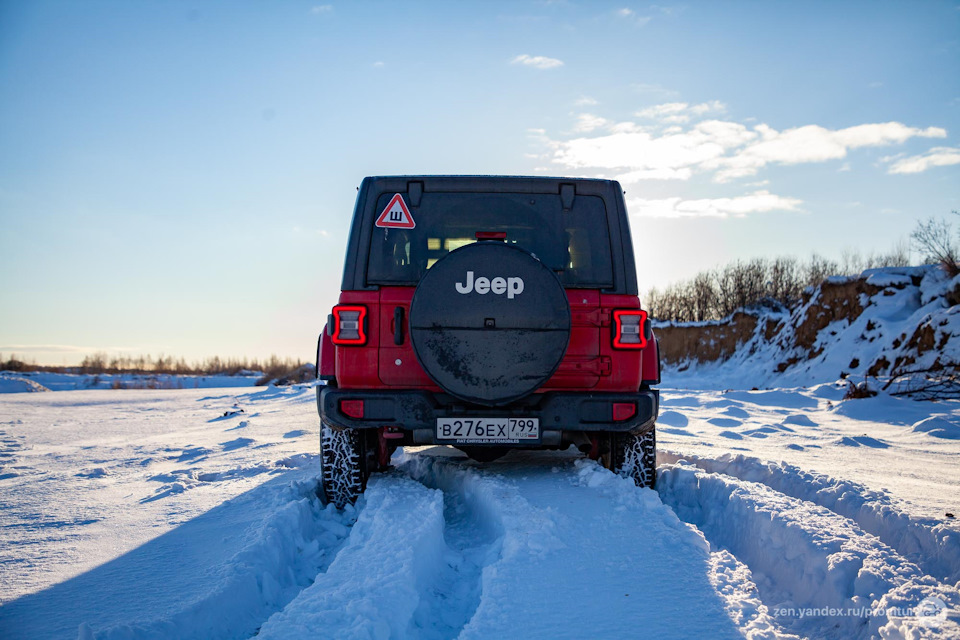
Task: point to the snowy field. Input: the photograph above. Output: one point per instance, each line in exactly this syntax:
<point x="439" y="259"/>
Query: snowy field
<point x="32" y="381"/>
<point x="192" y="513"/>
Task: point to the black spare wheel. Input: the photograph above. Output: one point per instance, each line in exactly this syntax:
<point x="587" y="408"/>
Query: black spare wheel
<point x="489" y="323"/>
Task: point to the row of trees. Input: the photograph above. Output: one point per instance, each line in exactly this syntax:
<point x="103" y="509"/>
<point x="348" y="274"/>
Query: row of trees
<point x="101" y="362"/>
<point x="715" y="294"/>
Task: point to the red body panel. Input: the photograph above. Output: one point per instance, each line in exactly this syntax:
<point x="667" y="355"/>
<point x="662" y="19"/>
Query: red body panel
<point x="328" y="357"/>
<point x="591" y="362"/>
<point x="408" y="374"/>
<point x="651" y="362"/>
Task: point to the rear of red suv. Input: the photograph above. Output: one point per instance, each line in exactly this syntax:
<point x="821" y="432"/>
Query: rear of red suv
<point x="488" y="313"/>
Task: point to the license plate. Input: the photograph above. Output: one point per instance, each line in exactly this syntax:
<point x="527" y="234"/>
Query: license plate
<point x="488" y="430"/>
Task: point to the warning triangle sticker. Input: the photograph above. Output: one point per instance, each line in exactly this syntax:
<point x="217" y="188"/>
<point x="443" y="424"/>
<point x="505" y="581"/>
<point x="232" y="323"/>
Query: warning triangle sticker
<point x="396" y="215"/>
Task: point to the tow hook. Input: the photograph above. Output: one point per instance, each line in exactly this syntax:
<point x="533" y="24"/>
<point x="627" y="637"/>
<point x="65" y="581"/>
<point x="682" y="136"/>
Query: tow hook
<point x="384" y="449"/>
<point x="594" y="448"/>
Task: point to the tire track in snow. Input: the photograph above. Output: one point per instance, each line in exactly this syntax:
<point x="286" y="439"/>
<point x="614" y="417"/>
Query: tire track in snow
<point x="536" y="545"/>
<point x="934" y="547"/>
<point x="580" y="552"/>
<point x="805" y="556"/>
<point x="288" y="549"/>
<point x="414" y="563"/>
<point x="472" y="535"/>
<point x="373" y="587"/>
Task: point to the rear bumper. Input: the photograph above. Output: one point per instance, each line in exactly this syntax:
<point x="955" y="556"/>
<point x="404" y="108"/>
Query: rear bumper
<point x="418" y="411"/>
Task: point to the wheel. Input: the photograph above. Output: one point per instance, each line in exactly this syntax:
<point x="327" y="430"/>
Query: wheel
<point x="633" y="456"/>
<point x="345" y="465"/>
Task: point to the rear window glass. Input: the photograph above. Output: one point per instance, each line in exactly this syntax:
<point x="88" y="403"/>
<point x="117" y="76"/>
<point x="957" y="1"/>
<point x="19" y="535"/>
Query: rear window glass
<point x="575" y="244"/>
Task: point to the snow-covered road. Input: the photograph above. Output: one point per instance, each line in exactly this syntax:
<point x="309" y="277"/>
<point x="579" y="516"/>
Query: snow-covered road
<point x="193" y="514"/>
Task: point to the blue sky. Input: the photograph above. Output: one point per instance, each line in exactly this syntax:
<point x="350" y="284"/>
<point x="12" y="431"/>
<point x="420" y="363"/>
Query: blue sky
<point x="179" y="177"/>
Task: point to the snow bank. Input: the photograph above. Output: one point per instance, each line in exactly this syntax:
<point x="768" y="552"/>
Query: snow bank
<point x="806" y="558"/>
<point x="938" y="427"/>
<point x="19" y="384"/>
<point x="934" y="547"/>
<point x="286" y="551"/>
<point x="13" y="382"/>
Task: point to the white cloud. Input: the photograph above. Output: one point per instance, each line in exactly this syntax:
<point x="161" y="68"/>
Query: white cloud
<point x="707" y="107"/>
<point x="643" y="155"/>
<point x="667" y="110"/>
<point x="585" y="101"/>
<point x="811" y="143"/>
<point x="738" y="207"/>
<point x="537" y="62"/>
<point x="679" y="112"/>
<point x="631" y="15"/>
<point x="587" y="122"/>
<point x="661" y="173"/>
<point x="626" y="127"/>
<point x="679" y="144"/>
<point x="321" y="8"/>
<point x="936" y="157"/>
<point x="378" y="64"/>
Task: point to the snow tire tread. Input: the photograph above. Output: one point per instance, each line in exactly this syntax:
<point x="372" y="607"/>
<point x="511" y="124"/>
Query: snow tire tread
<point x="344" y="465"/>
<point x="635" y="456"/>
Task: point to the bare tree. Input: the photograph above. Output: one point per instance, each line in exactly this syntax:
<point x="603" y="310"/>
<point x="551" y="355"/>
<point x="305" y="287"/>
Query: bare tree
<point x="704" y="296"/>
<point x="819" y="269"/>
<point x="937" y="243"/>
<point x="784" y="280"/>
<point x="716" y="294"/>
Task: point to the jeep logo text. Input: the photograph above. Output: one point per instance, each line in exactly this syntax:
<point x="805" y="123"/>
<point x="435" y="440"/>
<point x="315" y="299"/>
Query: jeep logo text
<point x="511" y="286"/>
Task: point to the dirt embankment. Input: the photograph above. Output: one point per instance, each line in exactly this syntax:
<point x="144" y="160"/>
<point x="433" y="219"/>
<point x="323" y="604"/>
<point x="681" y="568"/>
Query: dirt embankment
<point x="900" y="326"/>
<point x="711" y="341"/>
<point x="705" y="342"/>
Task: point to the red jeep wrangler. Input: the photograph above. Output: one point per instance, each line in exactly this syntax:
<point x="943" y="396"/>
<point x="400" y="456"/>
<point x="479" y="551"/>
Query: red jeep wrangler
<point x="488" y="313"/>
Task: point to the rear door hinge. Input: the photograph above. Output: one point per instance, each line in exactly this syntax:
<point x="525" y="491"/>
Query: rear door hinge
<point x="601" y="366"/>
<point x="605" y="366"/>
<point x="595" y="318"/>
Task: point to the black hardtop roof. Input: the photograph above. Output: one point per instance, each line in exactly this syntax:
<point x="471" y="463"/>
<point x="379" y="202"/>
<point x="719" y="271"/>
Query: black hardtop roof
<point x="490" y="183"/>
<point x="358" y="244"/>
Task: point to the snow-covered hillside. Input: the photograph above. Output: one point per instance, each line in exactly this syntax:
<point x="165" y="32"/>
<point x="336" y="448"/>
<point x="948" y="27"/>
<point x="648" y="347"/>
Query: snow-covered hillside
<point x="193" y="514"/>
<point x="899" y="328"/>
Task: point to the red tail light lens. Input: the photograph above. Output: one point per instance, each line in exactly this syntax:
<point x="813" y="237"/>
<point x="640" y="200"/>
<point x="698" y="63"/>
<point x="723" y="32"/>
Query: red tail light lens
<point x="349" y="324"/>
<point x="624" y="411"/>
<point x="628" y="329"/>
<point x="353" y="408"/>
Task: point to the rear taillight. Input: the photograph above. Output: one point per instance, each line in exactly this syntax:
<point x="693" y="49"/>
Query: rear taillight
<point x="349" y="324"/>
<point x="352" y="408"/>
<point x="624" y="410"/>
<point x="628" y="330"/>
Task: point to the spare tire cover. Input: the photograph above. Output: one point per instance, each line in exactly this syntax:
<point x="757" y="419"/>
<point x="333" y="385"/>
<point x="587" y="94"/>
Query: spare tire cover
<point x="489" y="323"/>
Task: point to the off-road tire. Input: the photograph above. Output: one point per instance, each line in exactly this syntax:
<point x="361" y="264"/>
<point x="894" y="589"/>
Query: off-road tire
<point x="345" y="468"/>
<point x="633" y="456"/>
